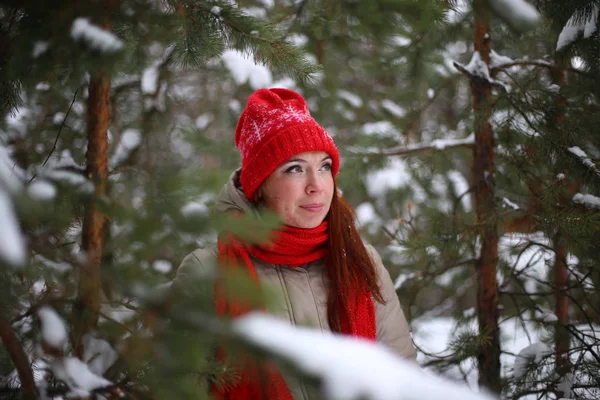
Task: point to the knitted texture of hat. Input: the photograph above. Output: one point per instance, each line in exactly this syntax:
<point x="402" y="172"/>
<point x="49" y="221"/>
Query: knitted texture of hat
<point x="274" y="126"/>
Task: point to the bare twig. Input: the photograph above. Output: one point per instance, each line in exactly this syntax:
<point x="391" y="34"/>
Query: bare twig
<point x="61" y="127"/>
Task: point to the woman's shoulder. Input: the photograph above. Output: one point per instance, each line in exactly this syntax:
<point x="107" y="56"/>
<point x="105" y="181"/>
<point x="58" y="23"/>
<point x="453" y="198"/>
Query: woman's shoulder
<point x="198" y="264"/>
<point x="201" y="257"/>
<point x="374" y="254"/>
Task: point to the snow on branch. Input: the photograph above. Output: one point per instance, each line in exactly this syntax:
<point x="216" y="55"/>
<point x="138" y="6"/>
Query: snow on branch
<point x="587" y="200"/>
<point x="518" y="13"/>
<point x="478" y="69"/>
<point x="80" y="378"/>
<point x="575" y="26"/>
<point x="77" y="376"/>
<point x="94" y="36"/>
<point x="439" y="144"/>
<point x="349" y="368"/>
<point x="12" y="245"/>
<point x="533" y="353"/>
<point x="584" y="158"/>
<point x="54" y="330"/>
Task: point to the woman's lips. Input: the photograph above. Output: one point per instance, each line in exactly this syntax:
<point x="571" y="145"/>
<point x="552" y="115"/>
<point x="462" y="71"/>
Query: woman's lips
<point x="316" y="207"/>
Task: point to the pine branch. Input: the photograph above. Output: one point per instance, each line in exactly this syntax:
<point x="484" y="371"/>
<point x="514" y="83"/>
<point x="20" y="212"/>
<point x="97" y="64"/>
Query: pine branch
<point x="436" y="145"/>
<point x="543" y="64"/>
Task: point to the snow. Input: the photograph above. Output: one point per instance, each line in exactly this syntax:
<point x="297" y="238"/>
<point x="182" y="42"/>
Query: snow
<point x="58" y="118"/>
<point x="528" y="255"/>
<point x="588" y="200"/>
<point x="77" y="376"/>
<point x="42" y="86"/>
<point x="42" y="190"/>
<point x="577" y="62"/>
<point x="395" y="175"/>
<point x="150" y="80"/>
<point x="573" y="28"/>
<point x="461" y="186"/>
<point x="244" y="69"/>
<point x="393" y="108"/>
<point x="98" y="354"/>
<point x="400" y="40"/>
<point x="12" y="245"/>
<point x="39" y="48"/>
<point x="441" y="144"/>
<point x="519" y="13"/>
<point x="54" y="330"/>
<point x="384" y="128"/>
<point x="72" y="178"/>
<point x="130" y="140"/>
<point x="545" y="315"/>
<point x="554" y="88"/>
<point x="162" y="266"/>
<point x="365" y="213"/>
<point x="403" y="278"/>
<point x="9" y="174"/>
<point x="584" y="158"/>
<point x="96" y="37"/>
<point x="497" y="60"/>
<point x="203" y="120"/>
<point x="477" y="67"/>
<point x="534" y="352"/>
<point x="510" y="204"/>
<point x="438" y="144"/>
<point x="351" y="98"/>
<point x="456" y="14"/>
<point x="349" y="368"/>
<point x="297" y="39"/>
<point x="565" y="386"/>
<point x="64" y="159"/>
<point x="433" y="336"/>
<point x="193" y="209"/>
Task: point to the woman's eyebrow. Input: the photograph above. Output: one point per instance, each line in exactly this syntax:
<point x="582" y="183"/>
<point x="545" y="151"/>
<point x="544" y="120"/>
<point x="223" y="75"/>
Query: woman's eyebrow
<point x="302" y="160"/>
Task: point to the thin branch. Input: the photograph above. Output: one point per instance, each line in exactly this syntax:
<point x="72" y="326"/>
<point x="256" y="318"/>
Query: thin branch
<point x="438" y="145"/>
<point x="61" y="127"/>
<point x="542" y="64"/>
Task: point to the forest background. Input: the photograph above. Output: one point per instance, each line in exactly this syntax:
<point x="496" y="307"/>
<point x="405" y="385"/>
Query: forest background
<point x="469" y="151"/>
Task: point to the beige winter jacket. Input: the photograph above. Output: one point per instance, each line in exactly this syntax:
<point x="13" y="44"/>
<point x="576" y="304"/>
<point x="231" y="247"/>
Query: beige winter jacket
<point x="303" y="290"/>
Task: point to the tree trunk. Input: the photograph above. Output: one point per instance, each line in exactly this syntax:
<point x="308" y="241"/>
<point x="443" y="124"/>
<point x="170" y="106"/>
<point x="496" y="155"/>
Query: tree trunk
<point x="19" y="359"/>
<point x="94" y="220"/>
<point x="488" y="355"/>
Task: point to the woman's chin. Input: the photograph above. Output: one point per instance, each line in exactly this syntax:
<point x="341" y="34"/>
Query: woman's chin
<point x="306" y="224"/>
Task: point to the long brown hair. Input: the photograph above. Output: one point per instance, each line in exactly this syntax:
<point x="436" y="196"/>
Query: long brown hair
<point x="350" y="268"/>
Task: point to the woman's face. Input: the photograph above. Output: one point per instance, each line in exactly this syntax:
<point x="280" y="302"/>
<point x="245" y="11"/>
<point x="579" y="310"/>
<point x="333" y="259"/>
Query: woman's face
<point x="300" y="189"/>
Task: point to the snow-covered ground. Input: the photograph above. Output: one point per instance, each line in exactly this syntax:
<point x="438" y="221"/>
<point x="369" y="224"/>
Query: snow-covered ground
<point x="434" y="335"/>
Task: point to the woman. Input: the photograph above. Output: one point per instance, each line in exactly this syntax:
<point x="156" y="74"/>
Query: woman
<point x="318" y="264"/>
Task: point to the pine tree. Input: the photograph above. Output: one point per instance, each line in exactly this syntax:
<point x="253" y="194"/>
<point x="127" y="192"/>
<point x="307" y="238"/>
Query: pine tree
<point x="91" y="101"/>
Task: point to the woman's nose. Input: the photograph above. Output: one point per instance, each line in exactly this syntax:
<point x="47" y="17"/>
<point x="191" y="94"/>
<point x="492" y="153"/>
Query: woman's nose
<point x="314" y="184"/>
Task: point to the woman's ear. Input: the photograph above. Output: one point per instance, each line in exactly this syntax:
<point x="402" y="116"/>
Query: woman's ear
<point x="259" y="196"/>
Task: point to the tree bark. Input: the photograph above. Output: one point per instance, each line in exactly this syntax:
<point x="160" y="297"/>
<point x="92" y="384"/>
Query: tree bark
<point x="488" y="355"/>
<point x="19" y="359"/>
<point x="94" y="220"/>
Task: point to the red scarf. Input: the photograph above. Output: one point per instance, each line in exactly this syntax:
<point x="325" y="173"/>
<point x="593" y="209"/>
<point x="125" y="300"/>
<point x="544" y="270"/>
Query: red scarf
<point x="293" y="247"/>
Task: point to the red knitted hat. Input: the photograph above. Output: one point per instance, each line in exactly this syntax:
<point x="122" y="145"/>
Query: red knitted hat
<point x="274" y="126"/>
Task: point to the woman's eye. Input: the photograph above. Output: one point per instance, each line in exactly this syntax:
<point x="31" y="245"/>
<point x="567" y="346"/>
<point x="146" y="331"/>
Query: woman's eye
<point x="293" y="169"/>
<point x="326" y="167"/>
